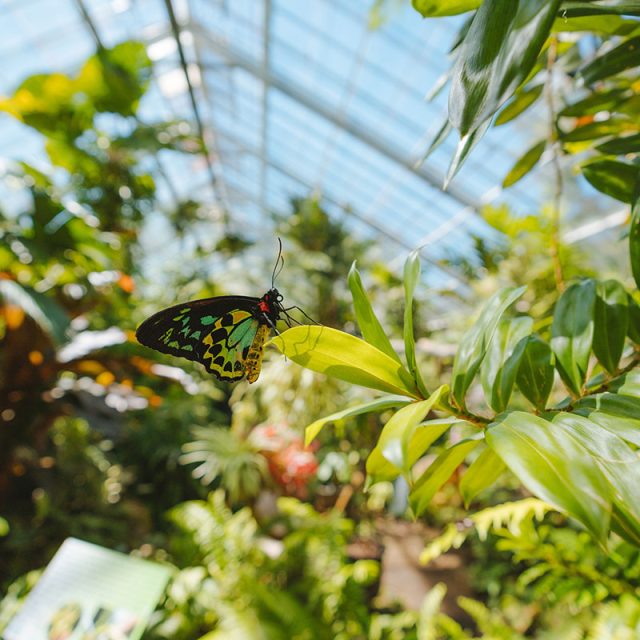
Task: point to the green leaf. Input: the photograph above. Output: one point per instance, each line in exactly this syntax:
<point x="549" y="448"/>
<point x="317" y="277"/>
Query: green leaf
<point x="45" y="311"/>
<point x="441" y="136"/>
<point x="618" y="413"/>
<point x="380" y="469"/>
<point x="623" y="57"/>
<point x="520" y="102"/>
<point x="611" y="319"/>
<point x="345" y="357"/>
<point x="475" y="342"/>
<point x="535" y="374"/>
<point x="525" y="164"/>
<point x="482" y="473"/>
<point x="594" y="103"/>
<point x="439" y="472"/>
<point x="621" y="145"/>
<point x="572" y="8"/>
<point x="500" y="365"/>
<point x="411" y="277"/>
<point x="572" y="333"/>
<point x="596" y="25"/>
<point x="634" y="320"/>
<point x="437" y="8"/>
<point x="380" y="404"/>
<point x="464" y="148"/>
<point x="369" y="324"/>
<point x="599" y="129"/>
<point x="4" y="527"/>
<point x="497" y="54"/>
<point x="397" y="433"/>
<point x="619" y="464"/>
<point x="554" y="467"/>
<point x="634" y="235"/>
<point x="616" y="179"/>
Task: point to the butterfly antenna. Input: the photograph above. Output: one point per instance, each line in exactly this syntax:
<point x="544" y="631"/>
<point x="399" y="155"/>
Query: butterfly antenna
<point x="302" y="311"/>
<point x="279" y="263"/>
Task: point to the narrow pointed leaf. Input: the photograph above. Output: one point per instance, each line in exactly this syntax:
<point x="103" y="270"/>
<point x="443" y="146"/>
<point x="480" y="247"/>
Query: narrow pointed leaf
<point x="634" y="235"/>
<point x="572" y="333"/>
<point x="438" y="473"/>
<point x="475" y="342"/>
<point x="535" y="373"/>
<point x="620" y="146"/>
<point x="441" y="136"/>
<point x="572" y="8"/>
<point x="497" y="54"/>
<point x="624" y="56"/>
<point x="380" y="404"/>
<point x="464" y="148"/>
<point x="524" y="164"/>
<point x="555" y="468"/>
<point x="369" y="324"/>
<point x="611" y="319"/>
<point x="411" y="277"/>
<point x="343" y="356"/>
<point x="521" y="101"/>
<point x="482" y="473"/>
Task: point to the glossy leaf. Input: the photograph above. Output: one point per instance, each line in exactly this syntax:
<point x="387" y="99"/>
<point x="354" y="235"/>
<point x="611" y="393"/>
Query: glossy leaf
<point x="611" y="318"/>
<point x="524" y="164"/>
<point x="617" y="413"/>
<point x="343" y="356"/>
<point x="464" y="148"/>
<point x="438" y="473"/>
<point x="369" y="324"/>
<point x="572" y="333"/>
<point x="398" y="431"/>
<point x="634" y="235"/>
<point x="380" y="469"/>
<point x="500" y="366"/>
<point x="624" y="56"/>
<point x="437" y="8"/>
<point x="555" y="468"/>
<point x="380" y="404"/>
<point x="616" y="179"/>
<point x="411" y="277"/>
<point x="619" y="464"/>
<point x="535" y="374"/>
<point x="497" y="54"/>
<point x="481" y="474"/>
<point x="474" y="344"/>
<point x="520" y="102"/>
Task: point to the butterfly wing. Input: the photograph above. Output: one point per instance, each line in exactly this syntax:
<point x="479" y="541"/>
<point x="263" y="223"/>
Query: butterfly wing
<point x="217" y="332"/>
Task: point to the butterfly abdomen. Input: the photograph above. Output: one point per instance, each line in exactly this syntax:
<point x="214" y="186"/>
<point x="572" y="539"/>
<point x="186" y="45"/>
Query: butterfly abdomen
<point x="253" y="362"/>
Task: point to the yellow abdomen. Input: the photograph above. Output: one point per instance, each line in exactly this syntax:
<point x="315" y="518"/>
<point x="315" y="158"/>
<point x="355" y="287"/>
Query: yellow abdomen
<point x="253" y="362"/>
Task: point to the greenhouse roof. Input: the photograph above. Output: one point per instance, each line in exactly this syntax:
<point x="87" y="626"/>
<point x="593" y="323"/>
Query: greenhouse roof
<point x="292" y="97"/>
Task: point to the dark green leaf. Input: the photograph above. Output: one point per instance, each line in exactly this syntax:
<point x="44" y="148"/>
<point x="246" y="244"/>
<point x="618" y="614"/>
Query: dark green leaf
<point x="601" y="129"/>
<point x="572" y="333"/>
<point x="497" y="54"/>
<point x="464" y="148"/>
<point x="634" y="320"/>
<point x="436" y="8"/>
<point x="535" y="375"/>
<point x="438" y="473"/>
<point x="611" y="318"/>
<point x="525" y="164"/>
<point x="624" y="56"/>
<point x="520" y="102"/>
<point x="500" y="365"/>
<point x="621" y="146"/>
<point x="554" y="467"/>
<point x="572" y="8"/>
<point x="594" y="103"/>
<point x="482" y="473"/>
<point x="369" y="324"/>
<point x="616" y="179"/>
<point x="411" y="277"/>
<point x="602" y="25"/>
<point x="634" y="234"/>
<point x="475" y="342"/>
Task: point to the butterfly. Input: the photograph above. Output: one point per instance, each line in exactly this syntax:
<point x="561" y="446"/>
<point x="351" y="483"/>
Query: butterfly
<point x="226" y="334"/>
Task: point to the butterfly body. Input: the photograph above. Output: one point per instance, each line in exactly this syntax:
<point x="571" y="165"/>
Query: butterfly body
<point x="226" y="334"/>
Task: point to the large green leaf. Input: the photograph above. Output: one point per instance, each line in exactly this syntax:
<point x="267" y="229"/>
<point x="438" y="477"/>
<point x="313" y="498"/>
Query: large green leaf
<point x="524" y="164"/>
<point x="380" y="404"/>
<point x="616" y="412"/>
<point x="535" y="374"/>
<point x="45" y="311"/>
<point x="611" y="319"/>
<point x="397" y="433"/>
<point x="497" y="54"/>
<point x="439" y="472"/>
<point x="619" y="464"/>
<point x="369" y="324"/>
<point x="411" y="277"/>
<point x="437" y="8"/>
<point x="520" y="102"/>
<point x="343" y="356"/>
<point x="616" y="179"/>
<point x="634" y="235"/>
<point x="475" y="342"/>
<point x="622" y="57"/>
<point x="572" y="333"/>
<point x="572" y="8"/>
<point x="500" y="365"/>
<point x="554" y="467"/>
<point x="480" y="475"/>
